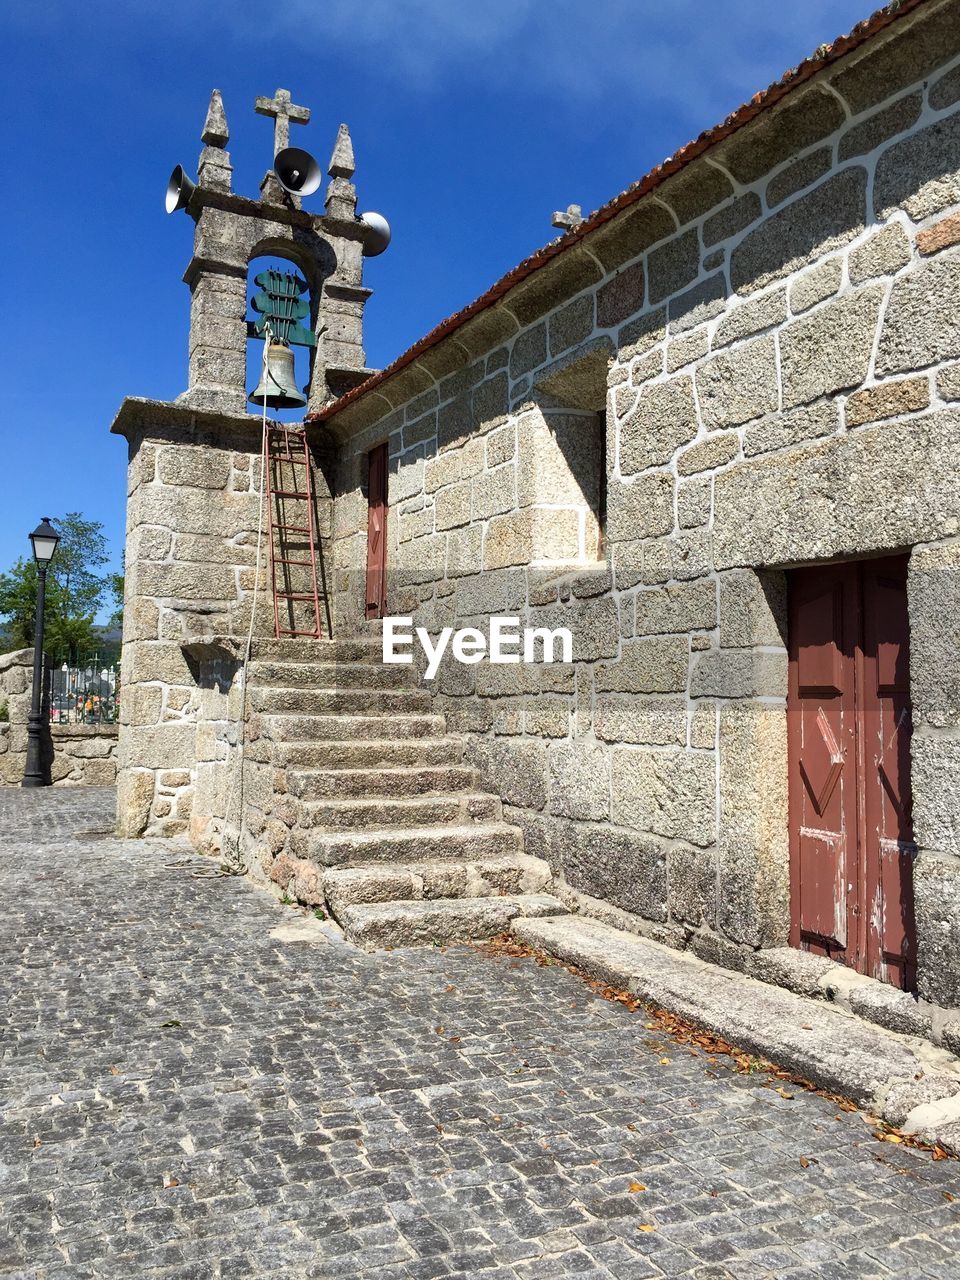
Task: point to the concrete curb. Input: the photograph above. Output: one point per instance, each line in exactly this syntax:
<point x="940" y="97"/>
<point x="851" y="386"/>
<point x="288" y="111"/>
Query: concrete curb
<point x="905" y="1080"/>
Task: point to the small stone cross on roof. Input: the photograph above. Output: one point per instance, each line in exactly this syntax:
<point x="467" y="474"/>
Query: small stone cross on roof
<point x="284" y="113"/>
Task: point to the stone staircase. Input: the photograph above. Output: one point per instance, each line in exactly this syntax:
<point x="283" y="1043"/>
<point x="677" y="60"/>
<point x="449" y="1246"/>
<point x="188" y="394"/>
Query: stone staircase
<point x="355" y="781"/>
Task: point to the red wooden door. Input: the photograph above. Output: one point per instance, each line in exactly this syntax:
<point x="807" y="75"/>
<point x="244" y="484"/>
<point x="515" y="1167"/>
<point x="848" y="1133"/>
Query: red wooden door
<point x="376" y="597"/>
<point x="849" y="727"/>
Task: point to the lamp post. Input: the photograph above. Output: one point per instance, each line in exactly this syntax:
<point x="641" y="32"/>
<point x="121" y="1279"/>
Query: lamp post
<point x="44" y="539"/>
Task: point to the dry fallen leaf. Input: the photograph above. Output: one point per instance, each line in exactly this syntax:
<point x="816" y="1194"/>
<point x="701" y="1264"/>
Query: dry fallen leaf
<point x="783" y="1094"/>
<point x="804" y="1162"/>
<point x="646" y="1226"/>
<point x="636" y="1186"/>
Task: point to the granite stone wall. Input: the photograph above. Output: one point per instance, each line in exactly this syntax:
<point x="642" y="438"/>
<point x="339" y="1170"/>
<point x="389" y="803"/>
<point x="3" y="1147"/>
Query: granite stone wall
<point x="764" y="357"/>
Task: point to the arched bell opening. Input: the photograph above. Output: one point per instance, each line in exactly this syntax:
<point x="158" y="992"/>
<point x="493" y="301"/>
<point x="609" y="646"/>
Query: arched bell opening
<point x="281" y="334"/>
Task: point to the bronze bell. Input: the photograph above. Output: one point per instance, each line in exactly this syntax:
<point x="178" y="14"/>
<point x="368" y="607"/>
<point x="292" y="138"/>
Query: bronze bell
<point x="278" y="383"/>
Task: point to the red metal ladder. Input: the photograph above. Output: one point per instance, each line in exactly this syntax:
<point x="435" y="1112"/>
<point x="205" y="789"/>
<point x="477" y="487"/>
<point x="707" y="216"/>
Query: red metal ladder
<point x="285" y="447"/>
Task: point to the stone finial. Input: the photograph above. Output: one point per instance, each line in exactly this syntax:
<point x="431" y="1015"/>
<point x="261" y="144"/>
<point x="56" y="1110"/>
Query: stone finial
<point x="284" y="112"/>
<point x="569" y="219"/>
<point x="342" y="164"/>
<point x="215" y="131"/>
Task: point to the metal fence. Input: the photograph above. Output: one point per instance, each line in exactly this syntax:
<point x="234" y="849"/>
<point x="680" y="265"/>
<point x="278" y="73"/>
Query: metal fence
<point x="86" y="693"/>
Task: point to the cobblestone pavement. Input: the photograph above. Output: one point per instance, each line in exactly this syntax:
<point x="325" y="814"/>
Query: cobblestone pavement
<point x="186" y="1095"/>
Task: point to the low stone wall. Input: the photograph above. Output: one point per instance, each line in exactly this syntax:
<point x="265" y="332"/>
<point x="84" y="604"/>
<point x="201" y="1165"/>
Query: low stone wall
<point x="83" y="754"/>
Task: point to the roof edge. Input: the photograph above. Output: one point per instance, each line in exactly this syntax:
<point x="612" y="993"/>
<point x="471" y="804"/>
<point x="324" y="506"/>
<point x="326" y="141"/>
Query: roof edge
<point x="762" y="101"/>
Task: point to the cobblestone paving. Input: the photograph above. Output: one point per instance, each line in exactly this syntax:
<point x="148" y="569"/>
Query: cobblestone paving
<point x="185" y="1095"/>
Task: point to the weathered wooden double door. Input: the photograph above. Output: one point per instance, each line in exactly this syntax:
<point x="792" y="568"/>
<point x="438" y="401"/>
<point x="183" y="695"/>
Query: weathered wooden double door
<point x="849" y="724"/>
<point x="376" y="580"/>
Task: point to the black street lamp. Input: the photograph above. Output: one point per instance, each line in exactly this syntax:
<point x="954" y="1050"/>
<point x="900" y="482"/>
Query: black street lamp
<point x="44" y="539"/>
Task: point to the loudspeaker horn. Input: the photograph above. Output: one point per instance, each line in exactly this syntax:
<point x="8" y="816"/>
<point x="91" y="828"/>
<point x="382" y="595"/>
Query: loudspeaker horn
<point x="378" y="234"/>
<point x="179" y="190"/>
<point x="297" y="170"/>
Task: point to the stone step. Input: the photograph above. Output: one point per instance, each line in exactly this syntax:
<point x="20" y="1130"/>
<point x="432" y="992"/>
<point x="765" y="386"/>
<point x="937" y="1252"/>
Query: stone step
<point x="837" y="1051"/>
<point x="300" y="650"/>
<point x="441" y="920"/>
<point x="332" y="675"/>
<point x="334" y="728"/>
<point x="400" y="811"/>
<point x="410" y="844"/>
<point x="369" y="753"/>
<point x="320" y="784"/>
<point x="393" y="882"/>
<point x="275" y="699"/>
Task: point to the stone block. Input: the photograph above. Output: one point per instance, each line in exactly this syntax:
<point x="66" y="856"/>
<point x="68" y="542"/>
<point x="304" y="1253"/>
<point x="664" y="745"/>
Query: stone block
<point x="194" y="466"/>
<point x="501" y="445"/>
<point x="813" y="286"/>
<point x="694" y="503"/>
<point x="888" y="400"/>
<point x="620" y="297"/>
<point x="753" y="883"/>
<point x="625" y="237"/>
<point x="738" y="673"/>
<point x="922" y="321"/>
<point x="936" y="797"/>
<point x="529" y="350"/>
<point x="640" y="509"/>
<point x="869" y="490"/>
<point x="167" y="746"/>
<point x="666" y="793"/>
<point x="830" y="350"/>
<point x="751" y="316"/>
<point x="799" y="971"/>
<point x="920" y="174"/>
<point x="798" y="122"/>
<point x="623" y="869"/>
<point x="880" y="127"/>
<point x="945" y="91"/>
<point x="933" y="585"/>
<point x="732" y="218"/>
<point x="686" y="349"/>
<point x="882" y="254"/>
<point x="570" y="325"/>
<point x="163" y="662"/>
<point x="798" y="174"/>
<point x="535" y="533"/>
<point x="695" y="191"/>
<point x="452" y="506"/>
<point x="698" y="304"/>
<point x="579" y="781"/>
<point x="443" y="470"/>
<point x="753" y="609"/>
<point x="455" y="423"/>
<point x="709" y="453"/>
<point x="642" y="334"/>
<point x="936" y="895"/>
<point x="559" y="458"/>
<point x="685" y="556"/>
<point x="801" y="231"/>
<point x="948" y="382"/>
<point x="781" y="430"/>
<point x="677" y="608"/>
<point x="702" y="730"/>
<point x="518" y="769"/>
<point x="593" y="623"/>
<point x="738" y="385"/>
<point x="490" y="402"/>
<point x="648" y="664"/>
<point x="461" y="381"/>
<point x="665" y="418"/>
<point x="406" y="476"/>
<point x="134" y="801"/>
<point x="673" y="265"/>
<point x="910" y="54"/>
<point x="547" y="717"/>
<point x="187" y="581"/>
<point x="642" y="721"/>
<point x="464" y="551"/>
<point x="940" y="235"/>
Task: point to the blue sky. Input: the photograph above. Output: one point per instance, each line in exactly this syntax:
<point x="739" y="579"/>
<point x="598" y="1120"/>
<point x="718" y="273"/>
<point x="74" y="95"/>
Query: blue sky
<point x="471" y="124"/>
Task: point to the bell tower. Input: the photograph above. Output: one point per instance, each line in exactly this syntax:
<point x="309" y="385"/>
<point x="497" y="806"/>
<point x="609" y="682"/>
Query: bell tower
<point x="327" y="248"/>
<point x="207" y="509"/>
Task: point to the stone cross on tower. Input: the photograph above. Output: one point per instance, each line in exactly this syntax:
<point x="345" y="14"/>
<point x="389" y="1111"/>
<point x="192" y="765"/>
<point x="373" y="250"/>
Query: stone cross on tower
<point x="284" y="113"/>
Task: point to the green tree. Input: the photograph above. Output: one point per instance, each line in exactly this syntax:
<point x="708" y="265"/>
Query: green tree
<point x="76" y="587"/>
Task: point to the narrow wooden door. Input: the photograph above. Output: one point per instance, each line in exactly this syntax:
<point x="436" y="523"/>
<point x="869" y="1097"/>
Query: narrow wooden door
<point x="849" y="758"/>
<point x="377" y="532"/>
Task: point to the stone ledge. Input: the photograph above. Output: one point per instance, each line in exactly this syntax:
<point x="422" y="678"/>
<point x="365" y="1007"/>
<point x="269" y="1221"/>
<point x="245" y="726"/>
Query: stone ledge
<point x="900" y="1078"/>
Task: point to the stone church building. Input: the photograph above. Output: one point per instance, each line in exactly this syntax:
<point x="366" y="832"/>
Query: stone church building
<point x="713" y="429"/>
